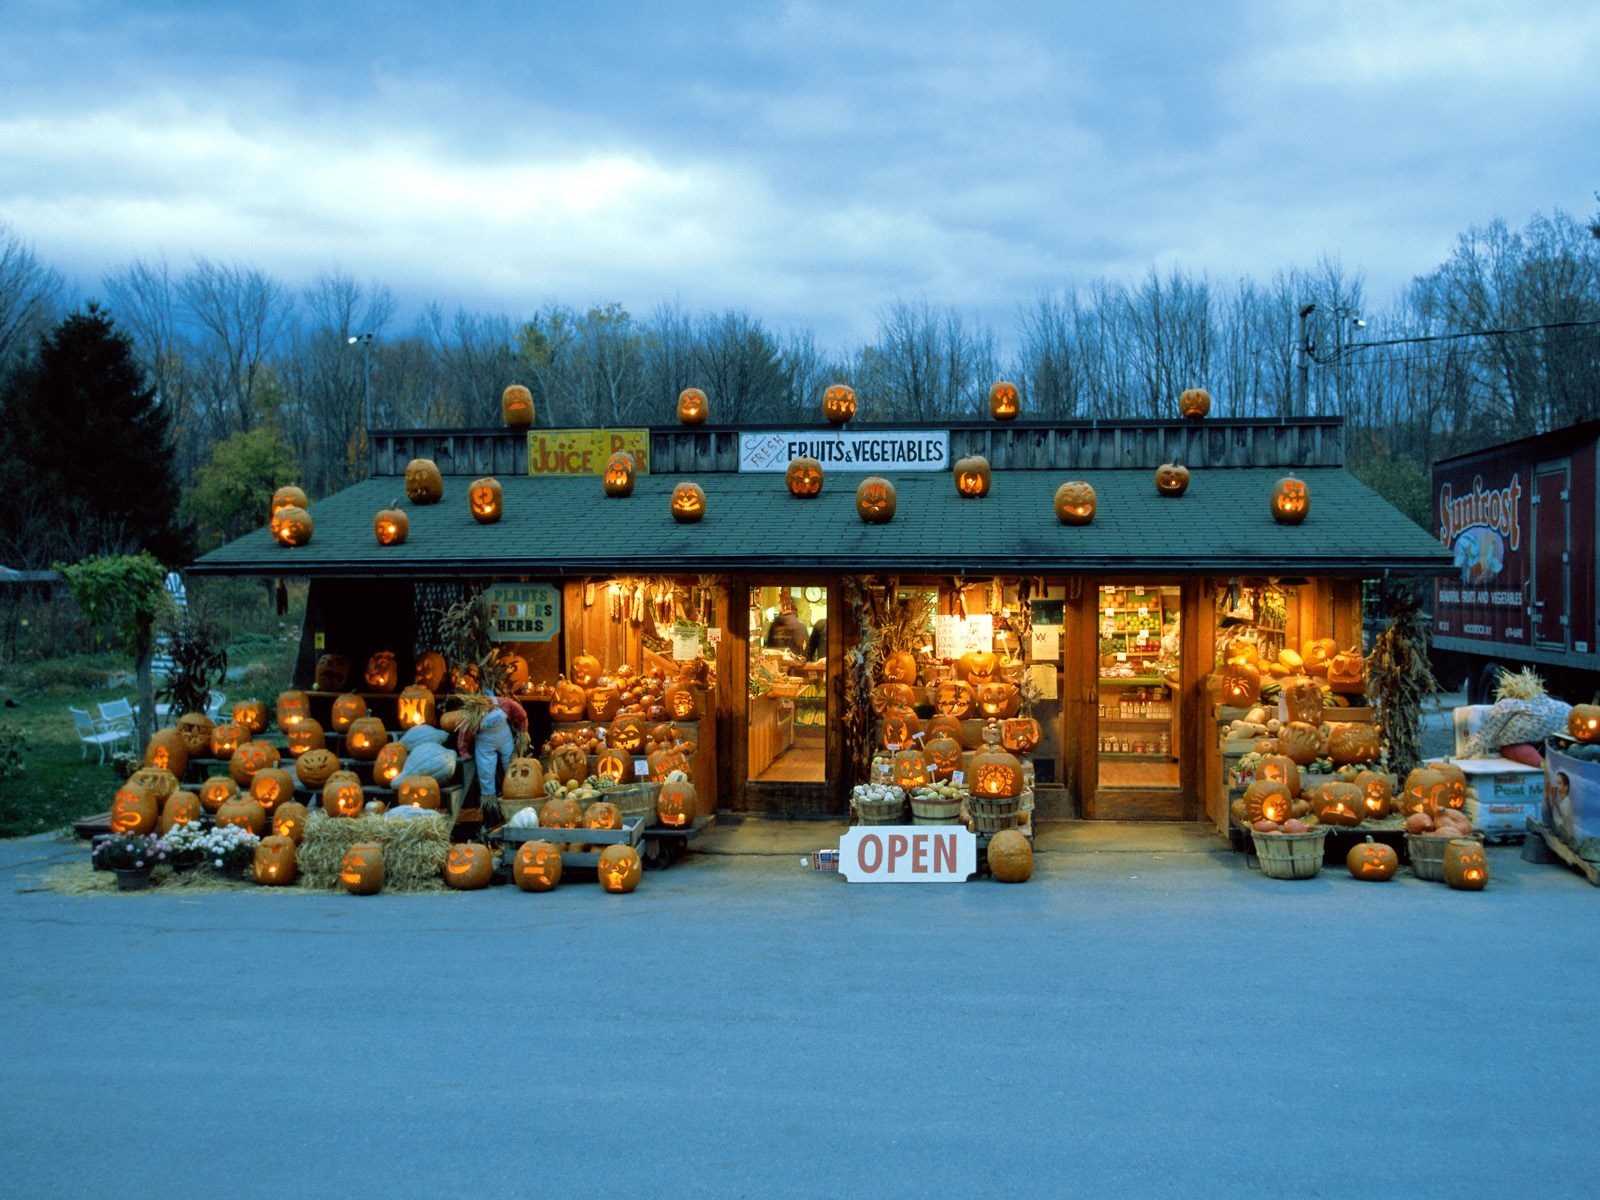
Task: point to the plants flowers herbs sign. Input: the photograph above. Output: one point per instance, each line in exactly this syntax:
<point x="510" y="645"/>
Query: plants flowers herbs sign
<point x="908" y="854"/>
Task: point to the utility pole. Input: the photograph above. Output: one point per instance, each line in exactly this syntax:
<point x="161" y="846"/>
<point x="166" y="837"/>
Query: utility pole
<point x="365" y="339"/>
<point x="1301" y="407"/>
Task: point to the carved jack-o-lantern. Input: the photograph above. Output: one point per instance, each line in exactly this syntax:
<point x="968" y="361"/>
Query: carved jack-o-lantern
<point x="911" y="770"/>
<point x="158" y="782"/>
<point x="1240" y="684"/>
<point x="382" y="673"/>
<point x="900" y="727"/>
<point x="342" y="795"/>
<point x="195" y="730"/>
<point x="604" y="702"/>
<point x="1004" y="401"/>
<point x="1267" y="799"/>
<point x="617" y="478"/>
<point x="619" y="869"/>
<point x="365" y="738"/>
<point x="361" y="870"/>
<point x="614" y="764"/>
<point x="1021" y="735"/>
<point x="293" y="706"/>
<point x="290" y="821"/>
<point x="875" y="500"/>
<point x="977" y="667"/>
<point x="315" y="766"/>
<point x="1352" y="742"/>
<point x="291" y="526"/>
<point x="943" y="754"/>
<point x="1291" y="501"/>
<point x="1423" y="787"/>
<point x="470" y="866"/>
<point x="431" y="670"/>
<point x="424" y="484"/>
<point x="1465" y="867"/>
<point x="1372" y="860"/>
<point x="417" y="707"/>
<point x="251" y="715"/>
<point x="271" y="787"/>
<point x="998" y="699"/>
<point x="391" y="526"/>
<point x="1302" y="742"/>
<point x="1279" y="767"/>
<point x="1454" y="792"/>
<point x="900" y="666"/>
<point x="682" y="702"/>
<point x="839" y="403"/>
<point x="304" y="735"/>
<point x="181" y="808"/>
<point x="955" y="698"/>
<point x="972" y="477"/>
<point x="134" y="810"/>
<point x="464" y="678"/>
<point x="276" y="864"/>
<point x="1347" y="673"/>
<point x="1172" y="479"/>
<point x="536" y="867"/>
<point x="250" y="758"/>
<point x="390" y="763"/>
<point x="1583" y="722"/>
<point x="1339" y="804"/>
<point x="244" y="812"/>
<point x="418" y="791"/>
<point x="513" y="671"/>
<point x="1194" y="403"/>
<point x="943" y="725"/>
<point x="485" y="500"/>
<point x="688" y="503"/>
<point x="602" y="814"/>
<point x="804" y="477"/>
<point x="516" y="407"/>
<point x="1377" y="793"/>
<point x="586" y="670"/>
<point x="628" y="733"/>
<point x="693" y="407"/>
<point x="217" y="791"/>
<point x="995" y="773"/>
<point x="560" y="812"/>
<point x="1075" y="503"/>
<point x="569" y="702"/>
<point x="675" y="804"/>
<point x="333" y="672"/>
<point x="288" y="496"/>
<point x="891" y="695"/>
<point x="167" y="751"/>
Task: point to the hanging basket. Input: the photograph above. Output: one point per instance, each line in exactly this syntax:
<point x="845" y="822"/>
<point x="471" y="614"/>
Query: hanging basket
<point x="1290" y="855"/>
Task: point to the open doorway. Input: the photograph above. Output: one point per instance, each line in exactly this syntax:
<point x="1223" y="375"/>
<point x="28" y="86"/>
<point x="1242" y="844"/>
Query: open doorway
<point x="788" y="699"/>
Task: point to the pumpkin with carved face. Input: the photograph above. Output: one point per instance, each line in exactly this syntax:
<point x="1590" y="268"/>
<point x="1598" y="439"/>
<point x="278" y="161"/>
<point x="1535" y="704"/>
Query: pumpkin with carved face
<point x="943" y="725"/>
<point x="1339" y="804"/>
<point x="431" y="670"/>
<point x="1465" y="867"/>
<point x="418" y="791"/>
<point x="682" y="702"/>
<point x="1377" y="793"/>
<point x="560" y="812"/>
<point x="167" y="751"/>
<point x="290" y="821"/>
<point x="1583" y="723"/>
<point x="1372" y="860"/>
<point x="943" y="755"/>
<point x="469" y="866"/>
<point x="688" y="503"/>
<point x="288" y="496"/>
<point x="390" y="763"/>
<point x="972" y="476"/>
<point x="361" y="869"/>
<point x="1194" y="403"/>
<point x="978" y="667"/>
<point x="900" y="727"/>
<point x="839" y="403"/>
<point x="195" y="730"/>
<point x="485" y="500"/>
<point x="293" y="705"/>
<point x="516" y="407"/>
<point x="217" y="791"/>
<point x="181" y="808"/>
<point x="1004" y="401"/>
<point x="391" y="526"/>
<point x="617" y="478"/>
<point x="158" y="782"/>
<point x="536" y="867"/>
<point x="955" y="698"/>
<point x="628" y="732"/>
<point x="382" y="673"/>
<point x="1269" y="800"/>
<point x="619" y="869"/>
<point x="291" y="526"/>
<point x="1291" y="501"/>
<point x="999" y="699"/>
<point x="333" y="672"/>
<point x="693" y="407"/>
<point x="251" y="715"/>
<point x="315" y="766"/>
<point x="1454" y="792"/>
<point x="424" y="483"/>
<point x="1424" y="789"/>
<point x="875" y="500"/>
<point x="1172" y="479"/>
<point x="250" y="758"/>
<point x="804" y="477"/>
<point x="365" y="738"/>
<point x="1347" y="673"/>
<point x="996" y="773"/>
<point x="271" y="787"/>
<point x="675" y="804"/>
<point x="569" y="702"/>
<point x="910" y="768"/>
<point x="276" y="864"/>
<point x="134" y="810"/>
<point x="1075" y="503"/>
<point x="342" y="795"/>
<point x="416" y="706"/>
<point x="305" y="735"/>
<point x="602" y="814"/>
<point x="243" y="812"/>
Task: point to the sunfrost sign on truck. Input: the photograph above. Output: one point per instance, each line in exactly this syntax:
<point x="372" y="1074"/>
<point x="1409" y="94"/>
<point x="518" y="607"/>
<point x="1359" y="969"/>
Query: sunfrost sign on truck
<point x="1482" y="525"/>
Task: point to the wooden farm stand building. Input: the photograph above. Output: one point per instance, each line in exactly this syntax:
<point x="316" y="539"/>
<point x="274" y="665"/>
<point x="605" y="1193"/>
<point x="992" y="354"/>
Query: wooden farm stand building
<point x="1117" y="621"/>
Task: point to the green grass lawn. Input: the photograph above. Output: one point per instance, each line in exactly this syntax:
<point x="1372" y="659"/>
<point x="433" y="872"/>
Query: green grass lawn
<point x="56" y="784"/>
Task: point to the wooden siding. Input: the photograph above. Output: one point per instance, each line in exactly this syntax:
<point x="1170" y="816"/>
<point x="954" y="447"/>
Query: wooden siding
<point x="1103" y="445"/>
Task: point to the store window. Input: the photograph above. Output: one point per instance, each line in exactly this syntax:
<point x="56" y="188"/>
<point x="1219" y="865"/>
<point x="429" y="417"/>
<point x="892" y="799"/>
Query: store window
<point x="788" y="700"/>
<point x="1140" y="640"/>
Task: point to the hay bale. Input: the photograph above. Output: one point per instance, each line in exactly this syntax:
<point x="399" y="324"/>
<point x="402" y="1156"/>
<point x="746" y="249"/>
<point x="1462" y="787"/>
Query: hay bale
<point x="414" y="850"/>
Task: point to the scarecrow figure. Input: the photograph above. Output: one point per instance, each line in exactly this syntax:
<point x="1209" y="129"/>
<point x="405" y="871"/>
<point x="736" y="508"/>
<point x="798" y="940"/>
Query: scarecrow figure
<point x="493" y="729"/>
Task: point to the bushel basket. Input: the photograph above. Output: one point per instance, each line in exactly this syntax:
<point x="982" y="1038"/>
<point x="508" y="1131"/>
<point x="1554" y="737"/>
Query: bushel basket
<point x="1290" y="855"/>
<point x="1427" y="853"/>
<point x="991" y="814"/>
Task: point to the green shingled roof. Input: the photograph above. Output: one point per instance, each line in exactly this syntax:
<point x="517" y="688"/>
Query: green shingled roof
<point x="566" y="526"/>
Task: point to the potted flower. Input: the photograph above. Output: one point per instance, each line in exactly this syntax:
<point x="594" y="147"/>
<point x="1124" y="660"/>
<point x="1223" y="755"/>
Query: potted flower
<point x="229" y="850"/>
<point x="131" y="856"/>
<point x="186" y="846"/>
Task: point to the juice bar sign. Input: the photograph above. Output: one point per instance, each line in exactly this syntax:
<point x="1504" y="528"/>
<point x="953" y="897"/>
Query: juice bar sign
<point x="523" y="612"/>
<point x="584" y="451"/>
<point x="843" y="450"/>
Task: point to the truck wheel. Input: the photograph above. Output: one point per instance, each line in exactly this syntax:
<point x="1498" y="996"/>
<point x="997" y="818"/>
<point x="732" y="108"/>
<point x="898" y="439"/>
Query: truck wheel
<point x="1487" y="680"/>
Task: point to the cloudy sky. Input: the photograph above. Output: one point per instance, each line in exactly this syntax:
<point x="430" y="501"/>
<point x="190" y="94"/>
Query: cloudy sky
<point x="810" y="161"/>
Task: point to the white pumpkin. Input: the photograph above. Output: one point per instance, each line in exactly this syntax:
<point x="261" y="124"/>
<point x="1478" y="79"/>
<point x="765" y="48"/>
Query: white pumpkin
<point x="525" y="818"/>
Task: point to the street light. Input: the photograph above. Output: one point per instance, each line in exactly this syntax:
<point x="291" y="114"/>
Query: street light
<point x="366" y="376"/>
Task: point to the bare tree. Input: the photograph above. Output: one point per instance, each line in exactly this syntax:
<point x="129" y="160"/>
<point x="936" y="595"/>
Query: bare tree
<point x="475" y="356"/>
<point x="29" y="291"/>
<point x="240" y="316"/>
<point x="145" y="299"/>
<point x="926" y="364"/>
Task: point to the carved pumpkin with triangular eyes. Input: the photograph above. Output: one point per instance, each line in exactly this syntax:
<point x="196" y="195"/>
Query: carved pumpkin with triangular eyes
<point x="276" y="863"/>
<point x="536" y="866"/>
<point x="618" y="477"/>
<point x="361" y="869"/>
<point x="1194" y="403"/>
<point x="1004" y="401"/>
<point x="619" y="869"/>
<point x="688" y="503"/>
<point x="804" y="477"/>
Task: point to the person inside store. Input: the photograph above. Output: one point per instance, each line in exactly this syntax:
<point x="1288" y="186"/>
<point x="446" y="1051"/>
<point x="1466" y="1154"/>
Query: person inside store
<point x="817" y="643"/>
<point x="787" y="631"/>
<point x="494" y="730"/>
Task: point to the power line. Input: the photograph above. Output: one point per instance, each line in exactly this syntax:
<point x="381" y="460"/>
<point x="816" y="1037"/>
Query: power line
<point x="1451" y="337"/>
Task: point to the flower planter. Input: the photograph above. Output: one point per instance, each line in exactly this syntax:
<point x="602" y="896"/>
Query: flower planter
<point x="132" y="879"/>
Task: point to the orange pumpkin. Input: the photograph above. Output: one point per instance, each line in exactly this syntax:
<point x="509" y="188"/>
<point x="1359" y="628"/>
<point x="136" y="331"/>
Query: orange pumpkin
<point x="973" y="477"/>
<point x="486" y="500"/>
<point x="688" y="503"/>
<point x="1194" y="403"/>
<point x="470" y="866"/>
<point x="536" y="867"/>
<point x="1372" y="860"/>
<point x="391" y="526"/>
<point x="276" y="863"/>
<point x="1004" y="401"/>
<point x="839" y="403"/>
<point x="804" y="477"/>
<point x="134" y="810"/>
<point x="361" y="869"/>
<point x="875" y="500"/>
<point x="292" y="526"/>
<point x="516" y="407"/>
<point x="618" y="477"/>
<point x="693" y="407"/>
<point x="1291" y="501"/>
<point x="1075" y="503"/>
<point x="424" y="484"/>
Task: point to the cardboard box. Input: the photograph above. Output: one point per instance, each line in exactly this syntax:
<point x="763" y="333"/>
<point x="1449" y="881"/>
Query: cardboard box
<point x="1468" y="719"/>
<point x="1501" y="794"/>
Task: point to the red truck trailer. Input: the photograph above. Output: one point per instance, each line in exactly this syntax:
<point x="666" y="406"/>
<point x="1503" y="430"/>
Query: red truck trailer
<point x="1521" y="521"/>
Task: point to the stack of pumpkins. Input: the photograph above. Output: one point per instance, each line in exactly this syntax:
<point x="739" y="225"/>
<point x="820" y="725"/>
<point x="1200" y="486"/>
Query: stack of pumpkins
<point x="1245" y="676"/>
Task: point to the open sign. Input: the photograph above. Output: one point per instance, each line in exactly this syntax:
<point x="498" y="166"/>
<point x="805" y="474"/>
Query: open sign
<point x="908" y="854"/>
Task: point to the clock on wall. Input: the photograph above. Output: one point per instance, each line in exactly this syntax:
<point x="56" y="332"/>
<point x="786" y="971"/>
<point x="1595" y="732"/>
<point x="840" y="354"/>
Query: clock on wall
<point x="814" y="594"/>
